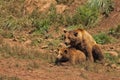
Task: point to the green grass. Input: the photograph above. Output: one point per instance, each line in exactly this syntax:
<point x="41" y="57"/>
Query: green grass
<point x="86" y="15"/>
<point x="7" y="34"/>
<point x="104" y="6"/>
<point x="20" y="52"/>
<point x="112" y="59"/>
<point x="103" y="38"/>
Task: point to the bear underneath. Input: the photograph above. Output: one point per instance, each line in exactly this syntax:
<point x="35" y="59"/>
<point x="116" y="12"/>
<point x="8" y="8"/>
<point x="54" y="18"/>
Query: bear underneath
<point x="70" y="55"/>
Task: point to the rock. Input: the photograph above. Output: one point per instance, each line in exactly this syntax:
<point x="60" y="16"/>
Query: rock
<point x="118" y="61"/>
<point x="106" y="64"/>
<point x="61" y="8"/>
<point x="113" y="53"/>
<point x="45" y="46"/>
<point x="118" y="68"/>
<point x="113" y="66"/>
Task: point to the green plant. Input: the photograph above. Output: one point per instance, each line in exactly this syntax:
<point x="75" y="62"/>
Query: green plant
<point x="42" y="25"/>
<point x="111" y="59"/>
<point x="87" y="16"/>
<point x="36" y="42"/>
<point x="7" y="34"/>
<point x="21" y="52"/>
<point x="103" y="38"/>
<point x="104" y="6"/>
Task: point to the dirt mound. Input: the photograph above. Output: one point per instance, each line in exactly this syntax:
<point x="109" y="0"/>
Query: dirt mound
<point x="41" y="5"/>
<point x="44" y="5"/>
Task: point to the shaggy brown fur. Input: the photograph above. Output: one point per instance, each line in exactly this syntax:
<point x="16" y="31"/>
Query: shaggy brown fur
<point x="82" y="40"/>
<point x="70" y="54"/>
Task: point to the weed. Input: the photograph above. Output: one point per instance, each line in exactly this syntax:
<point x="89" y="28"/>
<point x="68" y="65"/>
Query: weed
<point x="36" y="42"/>
<point x="115" y="32"/>
<point x="7" y="34"/>
<point x="103" y="38"/>
<point x="86" y="15"/>
<point x="104" y="6"/>
<point x="42" y="26"/>
<point x="111" y="59"/>
<point x="20" y="52"/>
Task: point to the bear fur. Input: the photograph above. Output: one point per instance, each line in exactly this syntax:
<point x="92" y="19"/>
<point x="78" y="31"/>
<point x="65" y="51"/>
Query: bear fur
<point x="82" y="40"/>
<point x="70" y="54"/>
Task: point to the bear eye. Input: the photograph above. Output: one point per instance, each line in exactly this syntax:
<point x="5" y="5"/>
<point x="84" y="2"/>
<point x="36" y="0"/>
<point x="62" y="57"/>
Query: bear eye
<point x="64" y="37"/>
<point x="65" y="51"/>
<point x="68" y="37"/>
<point x="75" y="34"/>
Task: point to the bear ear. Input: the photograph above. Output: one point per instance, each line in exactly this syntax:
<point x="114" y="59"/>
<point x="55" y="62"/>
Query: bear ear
<point x="65" y="51"/>
<point x="75" y="34"/>
<point x="65" y="31"/>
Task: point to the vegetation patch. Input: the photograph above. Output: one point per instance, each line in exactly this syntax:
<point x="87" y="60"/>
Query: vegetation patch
<point x="112" y="59"/>
<point x="86" y="15"/>
<point x="115" y="32"/>
<point x="103" y="38"/>
<point x="104" y="6"/>
<point x="21" y="52"/>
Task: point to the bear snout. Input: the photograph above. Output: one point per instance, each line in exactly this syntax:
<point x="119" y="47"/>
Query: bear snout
<point x="59" y="56"/>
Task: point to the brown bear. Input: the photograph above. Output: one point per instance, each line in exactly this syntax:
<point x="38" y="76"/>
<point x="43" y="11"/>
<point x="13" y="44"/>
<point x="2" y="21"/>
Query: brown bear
<point x="70" y="54"/>
<point x="82" y="40"/>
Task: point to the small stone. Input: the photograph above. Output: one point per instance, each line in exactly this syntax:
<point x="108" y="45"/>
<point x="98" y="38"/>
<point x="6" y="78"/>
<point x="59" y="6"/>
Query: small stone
<point x="45" y="46"/>
<point x="118" y="68"/>
<point x="113" y="66"/>
<point x="113" y="53"/>
<point x="106" y="64"/>
<point x="119" y="61"/>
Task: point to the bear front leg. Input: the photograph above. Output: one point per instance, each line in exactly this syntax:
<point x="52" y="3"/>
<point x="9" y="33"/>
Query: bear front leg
<point x="73" y="60"/>
<point x="89" y="55"/>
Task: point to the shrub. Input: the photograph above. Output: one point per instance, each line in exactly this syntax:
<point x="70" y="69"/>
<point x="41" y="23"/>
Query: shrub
<point x="87" y="16"/>
<point x="42" y="25"/>
<point x="103" y="38"/>
<point x="104" y="6"/>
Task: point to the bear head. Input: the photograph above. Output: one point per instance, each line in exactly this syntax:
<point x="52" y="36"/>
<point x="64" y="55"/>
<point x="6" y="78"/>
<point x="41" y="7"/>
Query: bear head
<point x="73" y="37"/>
<point x="62" y="56"/>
